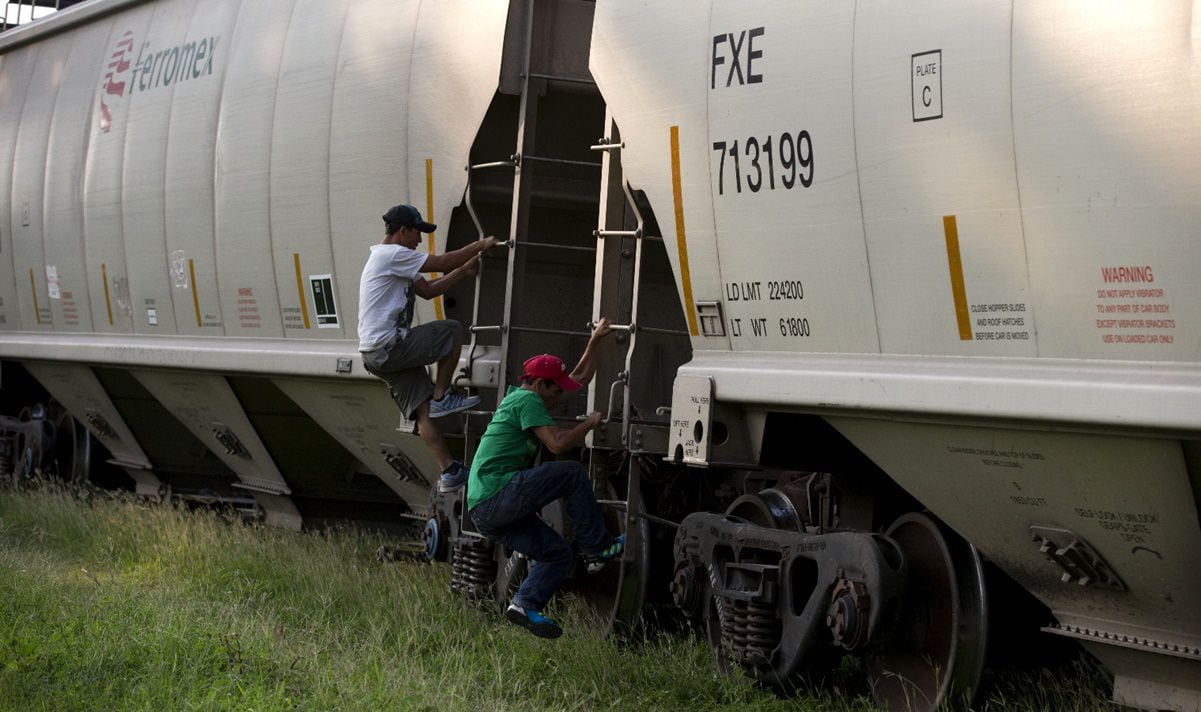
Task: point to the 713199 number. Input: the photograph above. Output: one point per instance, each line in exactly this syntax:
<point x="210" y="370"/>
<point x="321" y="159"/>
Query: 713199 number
<point x="795" y="155"/>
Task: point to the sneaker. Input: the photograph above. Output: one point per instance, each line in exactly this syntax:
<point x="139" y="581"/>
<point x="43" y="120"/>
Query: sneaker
<point x="454" y="477"/>
<point x="613" y="550"/>
<point x="596" y="562"/>
<point x="533" y="621"/>
<point x="452" y="402"/>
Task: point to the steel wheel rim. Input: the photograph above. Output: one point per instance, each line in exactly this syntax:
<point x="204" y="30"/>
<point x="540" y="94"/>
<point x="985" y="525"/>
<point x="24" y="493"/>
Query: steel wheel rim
<point x="937" y="653"/>
<point x="618" y="591"/>
<point x="72" y="449"/>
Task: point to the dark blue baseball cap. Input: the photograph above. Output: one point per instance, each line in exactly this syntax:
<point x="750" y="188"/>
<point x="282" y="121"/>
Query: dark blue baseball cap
<point x="399" y="216"/>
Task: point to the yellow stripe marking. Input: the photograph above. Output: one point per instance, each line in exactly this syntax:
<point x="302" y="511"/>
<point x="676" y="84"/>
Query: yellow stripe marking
<point x="195" y="295"/>
<point x="956" y="266"/>
<point x="108" y="302"/>
<point x="429" y="217"/>
<point x="37" y="310"/>
<point x="681" y="243"/>
<point x="304" y="305"/>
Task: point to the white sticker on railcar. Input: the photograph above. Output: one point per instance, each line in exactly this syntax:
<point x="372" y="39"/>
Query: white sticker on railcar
<point x="927" y="85"/>
<point x="1132" y="308"/>
<point x="179" y="269"/>
<point x="323" y="300"/>
<point x="52" y="283"/>
<point x="121" y="294"/>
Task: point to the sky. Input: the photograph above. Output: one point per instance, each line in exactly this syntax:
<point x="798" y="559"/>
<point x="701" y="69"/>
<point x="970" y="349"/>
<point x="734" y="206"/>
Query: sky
<point x="16" y="13"/>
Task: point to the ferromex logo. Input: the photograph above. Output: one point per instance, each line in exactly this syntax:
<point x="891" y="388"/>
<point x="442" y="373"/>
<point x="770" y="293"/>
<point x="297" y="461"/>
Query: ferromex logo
<point x="118" y="64"/>
<point x="152" y="69"/>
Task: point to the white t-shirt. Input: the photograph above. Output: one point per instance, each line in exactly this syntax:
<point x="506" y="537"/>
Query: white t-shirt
<point x="386" y="293"/>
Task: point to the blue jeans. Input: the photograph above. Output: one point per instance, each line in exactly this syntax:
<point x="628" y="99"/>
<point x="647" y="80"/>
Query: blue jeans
<point x="511" y="517"/>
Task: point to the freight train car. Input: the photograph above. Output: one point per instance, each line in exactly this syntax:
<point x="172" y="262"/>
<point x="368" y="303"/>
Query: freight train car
<point x="904" y="295"/>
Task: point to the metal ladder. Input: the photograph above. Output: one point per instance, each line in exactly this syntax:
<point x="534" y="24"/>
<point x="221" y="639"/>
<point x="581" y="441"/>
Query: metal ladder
<point x="615" y="280"/>
<point x="519" y="221"/>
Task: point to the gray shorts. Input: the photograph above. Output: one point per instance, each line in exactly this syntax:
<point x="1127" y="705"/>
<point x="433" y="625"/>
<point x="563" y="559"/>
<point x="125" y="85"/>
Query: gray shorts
<point x="402" y="361"/>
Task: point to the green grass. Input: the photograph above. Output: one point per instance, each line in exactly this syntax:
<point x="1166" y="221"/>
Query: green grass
<point x="106" y="603"/>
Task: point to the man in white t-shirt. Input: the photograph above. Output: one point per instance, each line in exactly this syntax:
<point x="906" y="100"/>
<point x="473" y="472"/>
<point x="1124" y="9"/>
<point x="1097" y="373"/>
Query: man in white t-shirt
<point x="398" y="352"/>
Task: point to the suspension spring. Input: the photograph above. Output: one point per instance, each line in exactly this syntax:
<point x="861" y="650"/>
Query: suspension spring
<point x="750" y="631"/>
<point x="472" y="569"/>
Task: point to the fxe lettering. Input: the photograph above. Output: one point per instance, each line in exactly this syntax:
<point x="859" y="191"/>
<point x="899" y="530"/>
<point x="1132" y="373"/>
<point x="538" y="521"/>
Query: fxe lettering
<point x="728" y="43"/>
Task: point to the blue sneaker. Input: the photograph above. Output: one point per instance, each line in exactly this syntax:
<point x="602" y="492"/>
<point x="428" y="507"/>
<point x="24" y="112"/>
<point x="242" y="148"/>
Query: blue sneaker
<point x="596" y="561"/>
<point x="613" y="550"/>
<point x="533" y="621"/>
<point x="453" y="477"/>
<point x="452" y="402"/>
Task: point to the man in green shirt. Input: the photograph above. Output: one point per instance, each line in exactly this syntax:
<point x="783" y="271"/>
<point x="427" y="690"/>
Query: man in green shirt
<point x="505" y="494"/>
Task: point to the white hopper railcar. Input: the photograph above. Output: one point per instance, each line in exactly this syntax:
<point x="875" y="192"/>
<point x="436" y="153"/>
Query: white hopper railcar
<point x="905" y="294"/>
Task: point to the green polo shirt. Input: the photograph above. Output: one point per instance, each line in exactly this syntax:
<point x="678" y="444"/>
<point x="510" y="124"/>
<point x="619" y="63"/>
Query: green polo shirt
<point x="508" y="445"/>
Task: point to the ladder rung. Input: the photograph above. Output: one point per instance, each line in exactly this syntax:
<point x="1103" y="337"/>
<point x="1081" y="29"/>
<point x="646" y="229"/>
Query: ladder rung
<point x="617" y="233"/>
<point x="494" y="164"/>
<point x="604" y="145"/>
<point x="486" y="328"/>
<point x="640" y="515"/>
<point x="463" y="436"/>
<point x="554" y="332"/>
<point x="553" y="246"/>
<point x="563" y="161"/>
<point x="616" y="327"/>
<point x="654" y="330"/>
<point x="561" y="78"/>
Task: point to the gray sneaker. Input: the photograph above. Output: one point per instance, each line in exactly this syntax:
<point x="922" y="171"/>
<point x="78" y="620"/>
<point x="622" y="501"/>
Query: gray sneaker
<point x="453" y="477"/>
<point x="452" y="402"/>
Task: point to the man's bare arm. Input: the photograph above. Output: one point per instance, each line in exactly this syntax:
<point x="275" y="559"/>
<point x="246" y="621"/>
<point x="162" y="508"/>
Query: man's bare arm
<point x="586" y="368"/>
<point x="428" y="289"/>
<point x="456" y="258"/>
<point x="561" y="440"/>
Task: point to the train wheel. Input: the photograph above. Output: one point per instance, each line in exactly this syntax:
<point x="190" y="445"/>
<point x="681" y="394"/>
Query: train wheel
<point x="618" y="591"/>
<point x="937" y="653"/>
<point x="72" y="451"/>
<point x="434" y="536"/>
<point x="31" y="440"/>
<point x="511" y="568"/>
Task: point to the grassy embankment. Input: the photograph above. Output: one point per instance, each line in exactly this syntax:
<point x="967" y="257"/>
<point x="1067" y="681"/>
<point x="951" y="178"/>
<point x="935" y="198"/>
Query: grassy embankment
<point x="109" y="604"/>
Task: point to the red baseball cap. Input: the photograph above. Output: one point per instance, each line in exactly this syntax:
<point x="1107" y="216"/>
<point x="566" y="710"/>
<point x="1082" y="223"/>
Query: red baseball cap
<point x="552" y="369"/>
